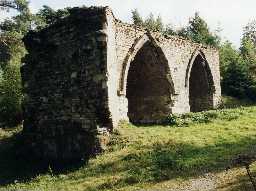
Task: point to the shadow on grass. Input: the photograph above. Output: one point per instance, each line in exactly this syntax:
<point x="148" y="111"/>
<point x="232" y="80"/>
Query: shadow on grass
<point x="165" y="161"/>
<point x="17" y="164"/>
<point x="152" y="163"/>
<point x="239" y="183"/>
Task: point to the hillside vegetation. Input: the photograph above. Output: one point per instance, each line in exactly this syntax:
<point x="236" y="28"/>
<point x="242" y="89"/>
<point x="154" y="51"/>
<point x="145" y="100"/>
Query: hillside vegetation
<point x="138" y="157"/>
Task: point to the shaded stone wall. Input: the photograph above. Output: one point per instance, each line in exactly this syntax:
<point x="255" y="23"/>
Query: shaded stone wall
<point x="64" y="80"/>
<point x="148" y="90"/>
<point x="200" y="94"/>
<point x="87" y="72"/>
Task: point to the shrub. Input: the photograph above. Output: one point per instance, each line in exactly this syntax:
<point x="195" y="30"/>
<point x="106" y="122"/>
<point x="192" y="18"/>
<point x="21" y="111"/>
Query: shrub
<point x="202" y="117"/>
<point x="10" y="96"/>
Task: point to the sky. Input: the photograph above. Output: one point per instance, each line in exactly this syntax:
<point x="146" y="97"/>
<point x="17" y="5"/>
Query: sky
<point x="229" y="15"/>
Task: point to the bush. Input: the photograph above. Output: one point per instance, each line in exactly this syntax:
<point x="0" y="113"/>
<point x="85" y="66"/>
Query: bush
<point x="187" y="119"/>
<point x="232" y="102"/>
<point x="238" y="78"/>
<point x="10" y="96"/>
<point x="238" y="83"/>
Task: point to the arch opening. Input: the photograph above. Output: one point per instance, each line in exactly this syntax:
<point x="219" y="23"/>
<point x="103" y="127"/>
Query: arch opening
<point x="200" y="86"/>
<point x="148" y="90"/>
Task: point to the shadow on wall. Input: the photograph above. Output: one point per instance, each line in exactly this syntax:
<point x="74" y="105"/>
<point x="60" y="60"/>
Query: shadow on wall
<point x="200" y="86"/>
<point x="148" y="89"/>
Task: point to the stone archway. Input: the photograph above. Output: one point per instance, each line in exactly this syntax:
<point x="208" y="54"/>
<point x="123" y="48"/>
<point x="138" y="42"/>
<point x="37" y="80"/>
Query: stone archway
<point x="148" y="86"/>
<point x="200" y="84"/>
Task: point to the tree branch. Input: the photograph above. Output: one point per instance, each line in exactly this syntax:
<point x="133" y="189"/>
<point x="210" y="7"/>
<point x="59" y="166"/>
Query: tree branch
<point x="4" y="4"/>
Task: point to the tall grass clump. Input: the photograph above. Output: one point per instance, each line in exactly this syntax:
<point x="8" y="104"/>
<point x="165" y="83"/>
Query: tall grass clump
<point x="187" y="119"/>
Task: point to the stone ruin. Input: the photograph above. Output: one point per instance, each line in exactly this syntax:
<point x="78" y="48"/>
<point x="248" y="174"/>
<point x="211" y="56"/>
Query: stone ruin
<point x="87" y="72"/>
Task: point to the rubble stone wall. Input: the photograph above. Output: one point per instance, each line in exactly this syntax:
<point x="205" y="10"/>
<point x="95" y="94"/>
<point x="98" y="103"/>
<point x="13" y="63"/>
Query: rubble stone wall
<point x="81" y="74"/>
<point x="65" y="85"/>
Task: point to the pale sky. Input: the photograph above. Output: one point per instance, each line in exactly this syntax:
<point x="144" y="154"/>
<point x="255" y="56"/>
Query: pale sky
<point x="230" y="15"/>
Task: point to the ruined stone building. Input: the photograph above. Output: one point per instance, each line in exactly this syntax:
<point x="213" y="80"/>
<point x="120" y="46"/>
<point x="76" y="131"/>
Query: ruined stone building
<point x="89" y="71"/>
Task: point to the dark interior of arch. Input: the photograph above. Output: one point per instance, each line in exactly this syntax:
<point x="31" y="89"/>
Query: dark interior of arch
<point x="148" y="90"/>
<point x="200" y="82"/>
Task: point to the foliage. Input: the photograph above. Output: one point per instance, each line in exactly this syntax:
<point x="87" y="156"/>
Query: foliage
<point x="198" y="31"/>
<point x="19" y="5"/>
<point x="4" y="52"/>
<point x="20" y="23"/>
<point x="228" y="55"/>
<point x="250" y="31"/>
<point x="169" y="30"/>
<point x="11" y="47"/>
<point x="238" y="68"/>
<point x="11" y="96"/>
<point x="137" y="19"/>
<point x="47" y="16"/>
<point x="152" y="23"/>
<point x="248" y="47"/>
<point x="140" y="158"/>
<point x="248" y="53"/>
<point x="248" y="50"/>
<point x="184" y="120"/>
<point x="12" y="50"/>
<point x="237" y="82"/>
<point x="228" y="102"/>
<point x="10" y="82"/>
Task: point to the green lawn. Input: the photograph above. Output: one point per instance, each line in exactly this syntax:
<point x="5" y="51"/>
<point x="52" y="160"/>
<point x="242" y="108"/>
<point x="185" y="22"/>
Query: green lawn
<point x="139" y="157"/>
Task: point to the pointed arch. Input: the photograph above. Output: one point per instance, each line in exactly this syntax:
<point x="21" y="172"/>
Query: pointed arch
<point x="146" y="82"/>
<point x="136" y="47"/>
<point x="199" y="82"/>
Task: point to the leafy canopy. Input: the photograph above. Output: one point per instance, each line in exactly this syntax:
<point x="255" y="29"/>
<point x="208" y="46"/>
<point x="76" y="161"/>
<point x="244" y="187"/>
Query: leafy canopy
<point x="151" y="23"/>
<point x="198" y="31"/>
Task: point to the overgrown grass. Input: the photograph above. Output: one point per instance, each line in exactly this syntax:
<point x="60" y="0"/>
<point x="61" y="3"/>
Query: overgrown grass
<point x="139" y="157"/>
<point x="228" y="102"/>
<point x="204" y="117"/>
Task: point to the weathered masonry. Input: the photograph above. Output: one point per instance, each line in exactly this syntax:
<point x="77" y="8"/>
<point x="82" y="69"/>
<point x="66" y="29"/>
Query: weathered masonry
<point x="87" y="72"/>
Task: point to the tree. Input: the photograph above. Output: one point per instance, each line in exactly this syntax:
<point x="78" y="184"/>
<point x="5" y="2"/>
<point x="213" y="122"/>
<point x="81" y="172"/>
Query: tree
<point x="228" y="55"/>
<point x="250" y="31"/>
<point x="12" y="30"/>
<point x="248" y="46"/>
<point x="154" y="24"/>
<point x="12" y="48"/>
<point x="168" y="30"/>
<point x="7" y="5"/>
<point x="19" y="5"/>
<point x="198" y="31"/>
<point x="20" y="23"/>
<point x="236" y="77"/>
<point x="151" y="23"/>
<point x="248" y="52"/>
<point x="47" y="16"/>
<point x="11" y="96"/>
<point x="137" y="19"/>
<point x="10" y="83"/>
<point x="237" y="82"/>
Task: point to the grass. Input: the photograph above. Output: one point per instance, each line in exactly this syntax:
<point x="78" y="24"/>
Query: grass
<point x="232" y="102"/>
<point x="143" y="157"/>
